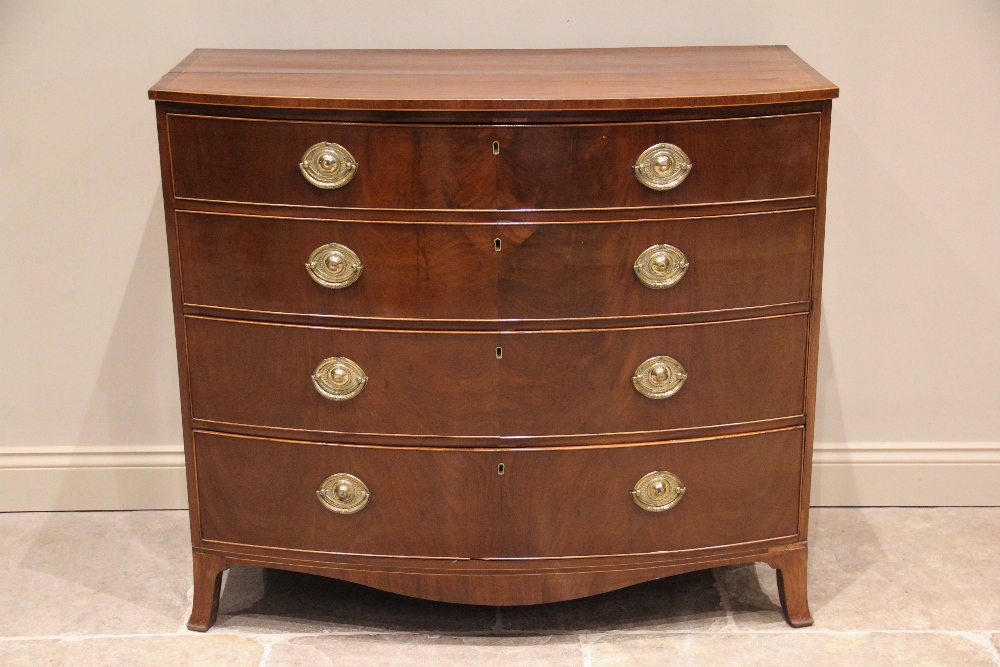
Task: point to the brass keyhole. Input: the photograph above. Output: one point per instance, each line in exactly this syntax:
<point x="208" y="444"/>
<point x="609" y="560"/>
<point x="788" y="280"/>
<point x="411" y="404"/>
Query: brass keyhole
<point x="496" y="148"/>
<point x="496" y="244"/>
<point x="499" y="353"/>
<point x="500" y="469"/>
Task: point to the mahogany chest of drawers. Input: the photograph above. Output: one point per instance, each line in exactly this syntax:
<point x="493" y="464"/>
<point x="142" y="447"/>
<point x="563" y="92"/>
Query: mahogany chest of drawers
<point x="496" y="327"/>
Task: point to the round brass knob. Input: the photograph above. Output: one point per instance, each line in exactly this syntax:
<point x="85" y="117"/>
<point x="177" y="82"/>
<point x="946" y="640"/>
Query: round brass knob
<point x="662" y="167"/>
<point x="661" y="266"/>
<point x="339" y="379"/>
<point x="658" y="491"/>
<point x="335" y="266"/>
<point x="327" y="165"/>
<point x="659" y="377"/>
<point x="343" y="493"/>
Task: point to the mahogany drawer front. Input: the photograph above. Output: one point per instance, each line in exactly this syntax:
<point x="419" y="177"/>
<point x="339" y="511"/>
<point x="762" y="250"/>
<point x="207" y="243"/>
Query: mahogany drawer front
<point x="577" y="501"/>
<point x="426" y="271"/>
<point x="592" y="166"/>
<point x="555" y="383"/>
<point x="453" y="503"/>
<point x="418" y="383"/>
<point x="453" y="271"/>
<point x="399" y="166"/>
<point x="485" y="167"/>
<point x="423" y="502"/>
<point x="454" y="384"/>
<point x="586" y="270"/>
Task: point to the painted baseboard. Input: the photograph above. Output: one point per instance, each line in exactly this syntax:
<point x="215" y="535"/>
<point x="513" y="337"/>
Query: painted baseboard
<point x="844" y="474"/>
<point x="906" y="473"/>
<point x="91" y="478"/>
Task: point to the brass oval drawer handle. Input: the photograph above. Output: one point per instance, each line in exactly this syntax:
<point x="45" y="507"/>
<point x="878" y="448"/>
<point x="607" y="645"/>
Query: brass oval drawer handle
<point x="661" y="266"/>
<point x="339" y="379"/>
<point x="343" y="493"/>
<point x="327" y="165"/>
<point x="659" y="377"/>
<point x="658" y="491"/>
<point x="335" y="266"/>
<point x="662" y="167"/>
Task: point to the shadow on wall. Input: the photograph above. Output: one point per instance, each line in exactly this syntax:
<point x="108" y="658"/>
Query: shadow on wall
<point x="908" y="348"/>
<point x="135" y="409"/>
<point x="830" y="427"/>
<point x="909" y="325"/>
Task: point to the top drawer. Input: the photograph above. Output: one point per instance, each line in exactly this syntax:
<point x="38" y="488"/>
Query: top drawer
<point x="398" y="166"/>
<point x="494" y="167"/>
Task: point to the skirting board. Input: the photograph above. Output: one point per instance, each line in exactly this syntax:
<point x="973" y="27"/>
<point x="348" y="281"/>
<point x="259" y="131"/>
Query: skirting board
<point x="911" y="474"/>
<point x="844" y="474"/>
<point x="91" y="478"/>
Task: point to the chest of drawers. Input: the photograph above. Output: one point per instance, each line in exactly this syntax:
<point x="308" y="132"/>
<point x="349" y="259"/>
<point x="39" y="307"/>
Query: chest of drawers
<point x="496" y="327"/>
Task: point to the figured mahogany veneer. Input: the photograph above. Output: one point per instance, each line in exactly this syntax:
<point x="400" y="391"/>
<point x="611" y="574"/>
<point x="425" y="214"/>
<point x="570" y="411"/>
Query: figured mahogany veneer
<point x="454" y="167"/>
<point x="434" y="271"/>
<point x="451" y="384"/>
<point x="497" y="318"/>
<point x="435" y="503"/>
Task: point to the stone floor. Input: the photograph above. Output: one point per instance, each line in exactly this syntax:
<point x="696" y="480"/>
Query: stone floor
<point x="913" y="587"/>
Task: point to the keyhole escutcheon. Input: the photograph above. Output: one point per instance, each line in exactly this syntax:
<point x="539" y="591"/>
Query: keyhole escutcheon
<point x="500" y="469"/>
<point x="496" y="148"/>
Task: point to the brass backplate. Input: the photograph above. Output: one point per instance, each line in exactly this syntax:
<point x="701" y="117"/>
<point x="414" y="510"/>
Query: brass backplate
<point x="328" y="165"/>
<point x="339" y="379"/>
<point x="343" y="493"/>
<point x="662" y="167"/>
<point x="659" y="377"/>
<point x="658" y="491"/>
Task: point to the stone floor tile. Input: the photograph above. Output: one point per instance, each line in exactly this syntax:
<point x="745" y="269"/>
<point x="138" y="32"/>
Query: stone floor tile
<point x="886" y="569"/>
<point x="268" y="601"/>
<point x="789" y="649"/>
<point x="93" y="572"/>
<point x="683" y="602"/>
<point x="426" y="650"/>
<point x="176" y="651"/>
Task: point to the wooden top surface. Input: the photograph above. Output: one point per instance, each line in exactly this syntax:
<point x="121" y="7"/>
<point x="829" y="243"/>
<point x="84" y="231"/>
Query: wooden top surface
<point x="487" y="80"/>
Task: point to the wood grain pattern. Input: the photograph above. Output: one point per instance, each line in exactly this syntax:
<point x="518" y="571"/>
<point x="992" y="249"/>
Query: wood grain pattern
<point x="528" y="79"/>
<point x="581" y="271"/>
<point x="424" y="271"/>
<point x="577" y="502"/>
<point x="571" y="382"/>
<point x="547" y="383"/>
<point x="591" y="165"/>
<point x="500" y="582"/>
<point x="453" y="272"/>
<point x="399" y="166"/>
<point x="423" y="502"/>
<point x="538" y="166"/>
<point x="418" y="382"/>
<point x="437" y="304"/>
<point x="454" y="504"/>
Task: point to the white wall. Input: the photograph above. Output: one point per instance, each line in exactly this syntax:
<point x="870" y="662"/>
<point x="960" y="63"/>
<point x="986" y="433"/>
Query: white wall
<point x="910" y="367"/>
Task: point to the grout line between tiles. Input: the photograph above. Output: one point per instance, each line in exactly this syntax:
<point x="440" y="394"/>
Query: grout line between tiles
<point x="724" y="601"/>
<point x="187" y="612"/>
<point x="983" y="639"/>
<point x="266" y="653"/>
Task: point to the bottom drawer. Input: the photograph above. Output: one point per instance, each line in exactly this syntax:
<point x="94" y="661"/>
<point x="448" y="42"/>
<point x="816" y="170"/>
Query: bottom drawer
<point x="566" y="501"/>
